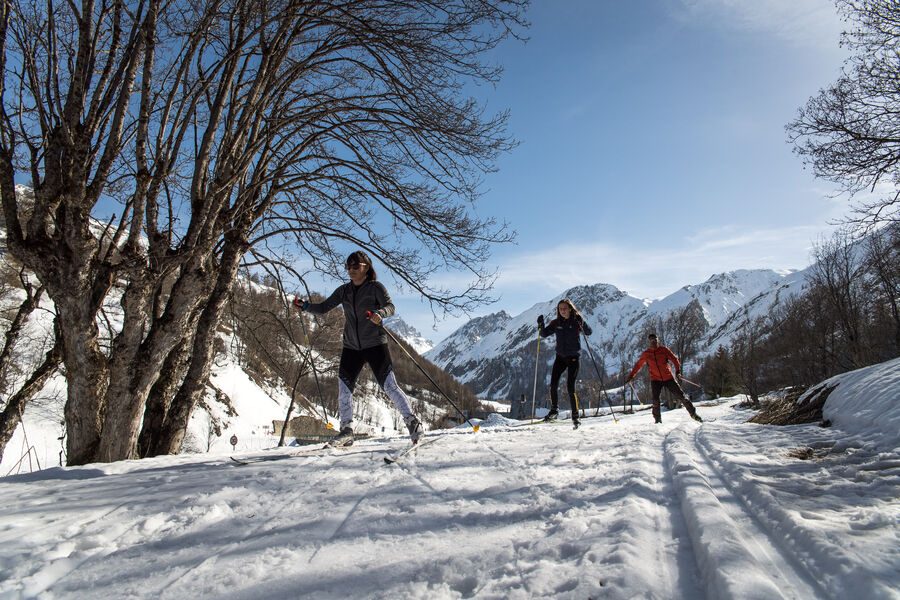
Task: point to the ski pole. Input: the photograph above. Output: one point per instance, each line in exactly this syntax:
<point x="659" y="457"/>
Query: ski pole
<point x="433" y="382"/>
<point x="537" y="359"/>
<point x="635" y="394"/>
<point x="691" y="382"/>
<point x="602" y="385"/>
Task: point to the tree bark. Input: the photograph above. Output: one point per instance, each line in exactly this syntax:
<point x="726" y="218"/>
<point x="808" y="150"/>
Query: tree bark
<point x="179" y="414"/>
<point x="15" y="407"/>
<point x="160" y="399"/>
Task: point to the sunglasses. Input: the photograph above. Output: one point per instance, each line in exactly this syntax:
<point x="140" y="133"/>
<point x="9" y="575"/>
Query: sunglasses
<point x="355" y="266"/>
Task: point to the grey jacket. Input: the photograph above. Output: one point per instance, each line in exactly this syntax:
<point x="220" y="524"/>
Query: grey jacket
<point x="359" y="332"/>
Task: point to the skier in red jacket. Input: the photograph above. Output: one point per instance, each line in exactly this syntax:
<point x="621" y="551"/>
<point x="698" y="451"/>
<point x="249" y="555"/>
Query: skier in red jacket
<point x="657" y="359"/>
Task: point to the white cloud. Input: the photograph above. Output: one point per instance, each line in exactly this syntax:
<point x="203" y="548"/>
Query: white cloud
<point x="812" y="23"/>
<point x="657" y="269"/>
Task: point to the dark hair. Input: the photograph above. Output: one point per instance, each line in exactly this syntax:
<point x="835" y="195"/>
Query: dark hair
<point x="358" y="257"/>
<point x="652" y="336"/>
<point x="571" y="307"/>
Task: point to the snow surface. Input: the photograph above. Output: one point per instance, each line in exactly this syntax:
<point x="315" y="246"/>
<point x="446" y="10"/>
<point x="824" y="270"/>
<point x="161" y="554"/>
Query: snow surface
<point x="611" y="510"/>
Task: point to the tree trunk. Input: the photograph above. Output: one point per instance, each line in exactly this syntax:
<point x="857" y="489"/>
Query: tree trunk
<point x="203" y="353"/>
<point x="32" y="298"/>
<point x="15" y="407"/>
<point x="87" y="376"/>
<point x="124" y="403"/>
<point x="171" y="377"/>
<point x="137" y="368"/>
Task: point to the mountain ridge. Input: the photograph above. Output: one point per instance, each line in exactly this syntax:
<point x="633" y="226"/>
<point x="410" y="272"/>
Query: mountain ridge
<point x="496" y="355"/>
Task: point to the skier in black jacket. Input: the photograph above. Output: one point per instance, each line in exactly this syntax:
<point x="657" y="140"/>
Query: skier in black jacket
<point x="365" y="302"/>
<point x="567" y="326"/>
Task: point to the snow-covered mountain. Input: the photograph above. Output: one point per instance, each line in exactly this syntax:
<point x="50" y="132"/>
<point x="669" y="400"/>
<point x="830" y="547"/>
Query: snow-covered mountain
<point x="495" y="354"/>
<point x="408" y="334"/>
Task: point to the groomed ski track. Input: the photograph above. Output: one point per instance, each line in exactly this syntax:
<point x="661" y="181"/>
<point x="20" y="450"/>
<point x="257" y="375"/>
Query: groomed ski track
<point x="681" y="510"/>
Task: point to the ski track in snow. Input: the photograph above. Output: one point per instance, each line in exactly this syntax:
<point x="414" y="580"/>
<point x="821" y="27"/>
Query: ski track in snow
<point x="611" y="510"/>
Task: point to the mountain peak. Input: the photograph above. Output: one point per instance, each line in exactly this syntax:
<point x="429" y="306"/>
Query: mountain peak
<point x="409" y="334"/>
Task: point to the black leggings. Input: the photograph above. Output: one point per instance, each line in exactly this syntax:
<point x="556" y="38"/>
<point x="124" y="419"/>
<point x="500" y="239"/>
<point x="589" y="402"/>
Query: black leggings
<point x="569" y="364"/>
<point x="656" y="387"/>
<point x="352" y="361"/>
<point x="379" y="358"/>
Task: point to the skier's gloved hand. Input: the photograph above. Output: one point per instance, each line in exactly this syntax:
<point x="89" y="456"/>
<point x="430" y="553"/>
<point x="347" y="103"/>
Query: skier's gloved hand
<point x="303" y="305"/>
<point x="541" y="321"/>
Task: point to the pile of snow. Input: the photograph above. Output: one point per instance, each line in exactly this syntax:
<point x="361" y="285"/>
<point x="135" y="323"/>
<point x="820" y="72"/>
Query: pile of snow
<point x="866" y="402"/>
<point x="494" y="420"/>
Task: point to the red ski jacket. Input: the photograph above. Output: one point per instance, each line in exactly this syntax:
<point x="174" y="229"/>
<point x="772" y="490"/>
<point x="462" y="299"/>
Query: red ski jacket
<point x="658" y="361"/>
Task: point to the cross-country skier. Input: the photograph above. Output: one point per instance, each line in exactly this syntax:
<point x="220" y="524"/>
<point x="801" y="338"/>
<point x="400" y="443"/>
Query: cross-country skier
<point x="657" y="359"/>
<point x="567" y="326"/>
<point x="365" y="302"/>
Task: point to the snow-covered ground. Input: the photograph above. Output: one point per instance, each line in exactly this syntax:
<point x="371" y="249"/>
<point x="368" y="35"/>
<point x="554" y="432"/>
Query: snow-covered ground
<point x="722" y="509"/>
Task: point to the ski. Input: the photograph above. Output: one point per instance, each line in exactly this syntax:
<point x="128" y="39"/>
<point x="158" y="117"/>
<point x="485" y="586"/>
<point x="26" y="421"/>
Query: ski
<point x="309" y="450"/>
<point x="393" y="458"/>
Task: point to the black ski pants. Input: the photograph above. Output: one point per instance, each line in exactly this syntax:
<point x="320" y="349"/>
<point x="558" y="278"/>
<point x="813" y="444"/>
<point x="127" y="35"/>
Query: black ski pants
<point x="570" y="365"/>
<point x="352" y="361"/>
<point x="670" y="384"/>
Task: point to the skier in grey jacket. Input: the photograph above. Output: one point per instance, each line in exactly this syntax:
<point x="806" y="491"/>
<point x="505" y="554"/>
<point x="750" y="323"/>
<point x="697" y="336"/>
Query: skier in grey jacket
<point x="366" y="303"/>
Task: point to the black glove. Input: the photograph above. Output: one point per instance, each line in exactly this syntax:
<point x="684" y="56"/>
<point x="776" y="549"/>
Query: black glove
<point x="301" y="304"/>
<point x="541" y="321"/>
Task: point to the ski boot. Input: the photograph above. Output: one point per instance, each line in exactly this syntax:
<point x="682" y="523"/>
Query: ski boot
<point x="415" y="430"/>
<point x="576" y="423"/>
<point x="342" y="439"/>
<point x="696" y="417"/>
<point x="551" y="416"/>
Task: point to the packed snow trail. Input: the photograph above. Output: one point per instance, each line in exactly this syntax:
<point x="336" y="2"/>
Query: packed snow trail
<point x="679" y="510"/>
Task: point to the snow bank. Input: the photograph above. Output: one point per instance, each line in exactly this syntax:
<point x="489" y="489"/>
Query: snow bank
<point x="867" y="402"/>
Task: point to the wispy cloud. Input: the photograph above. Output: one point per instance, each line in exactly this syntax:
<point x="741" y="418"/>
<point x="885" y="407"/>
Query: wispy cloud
<point x="658" y="268"/>
<point x="803" y="22"/>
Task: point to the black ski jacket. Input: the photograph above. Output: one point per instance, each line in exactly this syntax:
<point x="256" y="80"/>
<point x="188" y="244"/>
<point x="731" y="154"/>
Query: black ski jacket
<point x="359" y="332"/>
<point x="568" y="332"/>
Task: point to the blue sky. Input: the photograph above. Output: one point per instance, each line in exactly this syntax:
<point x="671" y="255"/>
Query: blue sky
<point x="653" y="151"/>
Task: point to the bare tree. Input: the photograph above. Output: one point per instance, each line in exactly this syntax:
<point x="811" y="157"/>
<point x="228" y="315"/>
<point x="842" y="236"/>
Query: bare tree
<point x="749" y="358"/>
<point x="221" y="126"/>
<point x="686" y="328"/>
<point x="838" y="272"/>
<point x="849" y="133"/>
<point x="882" y="262"/>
